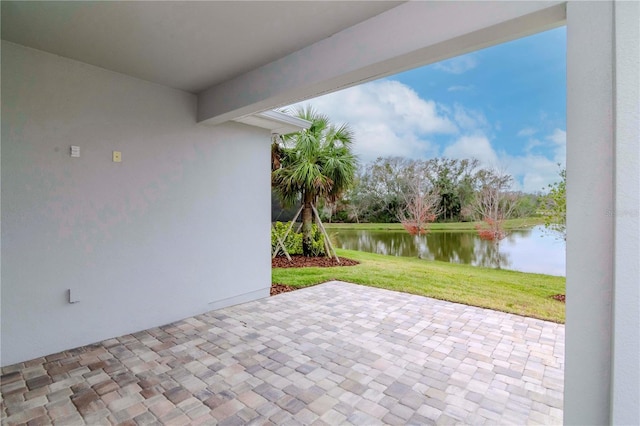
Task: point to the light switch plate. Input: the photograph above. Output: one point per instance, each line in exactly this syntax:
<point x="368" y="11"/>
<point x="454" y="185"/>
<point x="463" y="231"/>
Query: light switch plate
<point x="75" y="151"/>
<point x="117" y="156"/>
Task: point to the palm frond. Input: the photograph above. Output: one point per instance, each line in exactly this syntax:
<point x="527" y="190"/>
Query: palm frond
<point x="315" y="161"/>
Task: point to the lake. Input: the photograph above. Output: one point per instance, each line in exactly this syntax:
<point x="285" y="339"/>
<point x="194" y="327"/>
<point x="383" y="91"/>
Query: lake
<point x="527" y="250"/>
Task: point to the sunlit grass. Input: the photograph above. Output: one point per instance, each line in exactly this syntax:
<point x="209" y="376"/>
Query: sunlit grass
<point x="508" y="291"/>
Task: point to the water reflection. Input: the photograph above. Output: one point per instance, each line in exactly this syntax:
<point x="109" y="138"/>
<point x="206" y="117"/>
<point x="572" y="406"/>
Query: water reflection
<point x="529" y="250"/>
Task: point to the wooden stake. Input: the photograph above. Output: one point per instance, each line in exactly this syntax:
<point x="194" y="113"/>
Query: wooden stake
<point x="324" y="232"/>
<point x="281" y="243"/>
<point x="293" y="221"/>
<point x="327" y="250"/>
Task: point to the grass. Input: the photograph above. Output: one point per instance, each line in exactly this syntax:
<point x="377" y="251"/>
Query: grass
<point x="453" y="226"/>
<point x="502" y="290"/>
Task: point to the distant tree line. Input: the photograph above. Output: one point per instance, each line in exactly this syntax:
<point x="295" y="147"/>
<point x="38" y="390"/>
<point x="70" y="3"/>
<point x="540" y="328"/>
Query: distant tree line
<point x="393" y="188"/>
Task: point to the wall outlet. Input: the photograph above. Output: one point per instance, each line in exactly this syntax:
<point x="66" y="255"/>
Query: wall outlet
<point x="117" y="156"/>
<point x="75" y="151"/>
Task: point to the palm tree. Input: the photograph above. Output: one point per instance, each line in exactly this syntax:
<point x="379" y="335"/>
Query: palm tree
<point x="313" y="164"/>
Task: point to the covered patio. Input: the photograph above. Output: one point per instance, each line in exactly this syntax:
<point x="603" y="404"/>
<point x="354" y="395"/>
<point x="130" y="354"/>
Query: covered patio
<point x="336" y="353"/>
<point x="133" y="133"/>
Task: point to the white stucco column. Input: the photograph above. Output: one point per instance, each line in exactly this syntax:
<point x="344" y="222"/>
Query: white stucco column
<point x="602" y="374"/>
<point x="590" y="201"/>
<point x="625" y="388"/>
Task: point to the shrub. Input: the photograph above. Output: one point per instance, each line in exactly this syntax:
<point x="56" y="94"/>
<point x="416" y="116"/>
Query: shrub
<point x="491" y="230"/>
<point x="293" y="243"/>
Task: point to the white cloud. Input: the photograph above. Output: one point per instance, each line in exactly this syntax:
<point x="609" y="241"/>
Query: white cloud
<point x="532" y="144"/>
<point x="531" y="172"/>
<point x="537" y="170"/>
<point x="559" y="139"/>
<point x="470" y="120"/>
<point x="534" y="171"/>
<point x="477" y="147"/>
<point x="527" y="131"/>
<point x="458" y="65"/>
<point x="388" y="118"/>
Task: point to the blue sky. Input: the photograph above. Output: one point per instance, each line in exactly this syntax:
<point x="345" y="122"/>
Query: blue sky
<point x="504" y="105"/>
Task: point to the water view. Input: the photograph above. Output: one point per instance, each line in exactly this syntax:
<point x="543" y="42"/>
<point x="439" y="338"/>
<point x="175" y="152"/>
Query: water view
<point x="527" y="250"/>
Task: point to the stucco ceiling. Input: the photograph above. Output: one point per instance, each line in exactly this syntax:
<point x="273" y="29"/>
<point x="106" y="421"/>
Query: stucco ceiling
<point x="185" y="45"/>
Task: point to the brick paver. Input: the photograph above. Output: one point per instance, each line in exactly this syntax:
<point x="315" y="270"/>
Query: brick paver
<point x="335" y="353"/>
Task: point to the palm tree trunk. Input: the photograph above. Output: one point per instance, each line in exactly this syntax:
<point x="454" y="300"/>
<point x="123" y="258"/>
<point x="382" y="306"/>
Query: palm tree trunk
<point x="307" y="220"/>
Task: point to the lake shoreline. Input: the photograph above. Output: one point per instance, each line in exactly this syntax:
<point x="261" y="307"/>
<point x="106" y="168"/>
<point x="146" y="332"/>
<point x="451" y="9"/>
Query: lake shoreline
<point x="526" y="248"/>
<point x="511" y="224"/>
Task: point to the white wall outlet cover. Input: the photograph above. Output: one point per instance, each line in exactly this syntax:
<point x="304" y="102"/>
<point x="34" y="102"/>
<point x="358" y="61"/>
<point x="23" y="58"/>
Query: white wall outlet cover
<point x="75" y="151"/>
<point x="73" y="296"/>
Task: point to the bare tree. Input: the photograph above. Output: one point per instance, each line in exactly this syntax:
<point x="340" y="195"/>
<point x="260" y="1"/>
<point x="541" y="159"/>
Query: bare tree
<point x="355" y="210"/>
<point x="418" y="212"/>
<point x="328" y="209"/>
<point x="494" y="203"/>
<point x="421" y="200"/>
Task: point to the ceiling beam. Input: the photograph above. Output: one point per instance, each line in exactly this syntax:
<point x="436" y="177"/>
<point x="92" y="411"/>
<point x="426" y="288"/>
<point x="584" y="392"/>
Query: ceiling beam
<point x="407" y="36"/>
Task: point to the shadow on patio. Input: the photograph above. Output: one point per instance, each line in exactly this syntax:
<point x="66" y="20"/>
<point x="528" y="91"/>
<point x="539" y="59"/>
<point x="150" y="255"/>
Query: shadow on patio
<point x="331" y="354"/>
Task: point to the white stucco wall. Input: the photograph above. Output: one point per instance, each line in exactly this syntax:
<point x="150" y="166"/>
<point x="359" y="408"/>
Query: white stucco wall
<point x="165" y="234"/>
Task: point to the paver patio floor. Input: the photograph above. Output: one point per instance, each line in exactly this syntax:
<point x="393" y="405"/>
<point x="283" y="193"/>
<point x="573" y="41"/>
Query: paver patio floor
<point x="335" y="353"/>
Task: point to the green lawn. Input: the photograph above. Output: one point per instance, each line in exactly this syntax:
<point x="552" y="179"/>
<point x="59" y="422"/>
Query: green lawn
<point x="508" y="291"/>
<point x="454" y="226"/>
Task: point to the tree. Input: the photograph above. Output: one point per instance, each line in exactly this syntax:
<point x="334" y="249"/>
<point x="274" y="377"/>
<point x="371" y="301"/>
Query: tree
<point x="454" y="180"/>
<point x="381" y="187"/>
<point x="555" y="206"/>
<point x="356" y="200"/>
<point x="418" y="211"/>
<point x="527" y="205"/>
<point x="494" y="203"/>
<point x="421" y="200"/>
<point x="316" y="163"/>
